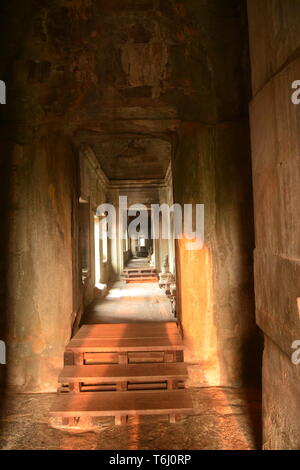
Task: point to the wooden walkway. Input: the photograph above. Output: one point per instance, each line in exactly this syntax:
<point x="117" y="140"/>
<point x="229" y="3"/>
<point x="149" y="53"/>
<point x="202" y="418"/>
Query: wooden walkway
<point x="121" y="370"/>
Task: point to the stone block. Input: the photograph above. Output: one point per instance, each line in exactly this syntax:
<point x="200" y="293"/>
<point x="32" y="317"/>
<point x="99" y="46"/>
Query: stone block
<point x="276" y="164"/>
<point x="281" y="400"/>
<point x="271" y="50"/>
<point x="277" y="290"/>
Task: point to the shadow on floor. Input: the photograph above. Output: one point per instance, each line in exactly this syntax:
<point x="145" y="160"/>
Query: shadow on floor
<point x="221" y="423"/>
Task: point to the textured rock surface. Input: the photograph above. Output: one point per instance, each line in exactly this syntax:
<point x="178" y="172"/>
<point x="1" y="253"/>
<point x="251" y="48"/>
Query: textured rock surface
<point x="216" y="291"/>
<point x="280" y="400"/>
<point x="226" y="419"/>
<point x="274" y="35"/>
<point x="39" y="320"/>
<point x="275" y="64"/>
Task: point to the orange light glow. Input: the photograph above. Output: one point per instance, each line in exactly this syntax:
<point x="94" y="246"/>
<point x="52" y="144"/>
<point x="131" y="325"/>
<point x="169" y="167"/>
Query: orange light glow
<point x="196" y="310"/>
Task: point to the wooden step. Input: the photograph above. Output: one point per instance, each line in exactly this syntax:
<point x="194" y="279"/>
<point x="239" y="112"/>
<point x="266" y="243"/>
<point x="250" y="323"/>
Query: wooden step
<point x="132" y="358"/>
<point x="115" y="373"/>
<point x="137" y="274"/>
<point x="140" y="279"/>
<point x="143" y="269"/>
<point x="127" y="330"/>
<point x="121" y="343"/>
<point x="141" y="275"/>
<point x="173" y="343"/>
<point x="96" y="333"/>
<point x="120" y="404"/>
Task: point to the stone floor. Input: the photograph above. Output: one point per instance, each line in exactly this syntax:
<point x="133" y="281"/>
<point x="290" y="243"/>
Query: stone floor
<point x="225" y="419"/>
<point x="127" y="303"/>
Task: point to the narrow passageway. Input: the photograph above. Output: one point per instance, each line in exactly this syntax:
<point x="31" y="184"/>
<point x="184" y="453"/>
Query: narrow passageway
<point x="135" y="323"/>
<point x="222" y="418"/>
<point x="131" y="302"/>
<point x="150" y="187"/>
<point x="126" y="303"/>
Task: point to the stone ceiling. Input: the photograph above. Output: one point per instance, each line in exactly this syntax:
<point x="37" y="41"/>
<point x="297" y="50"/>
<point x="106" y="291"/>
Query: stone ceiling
<point x="142" y="158"/>
<point x="126" y="68"/>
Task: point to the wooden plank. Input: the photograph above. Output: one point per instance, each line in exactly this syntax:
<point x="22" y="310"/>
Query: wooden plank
<point x="128" y="330"/>
<point x="140" y="270"/>
<point x="97" y="336"/>
<point x="133" y="357"/>
<point x="131" y="386"/>
<point x="141" y="278"/>
<point x="173" y="343"/>
<point x="146" y="357"/>
<point x="123" y="358"/>
<point x="170" y="356"/>
<point x="129" y="275"/>
<point x="154" y="325"/>
<point x="75" y="387"/>
<point x="122" y="403"/>
<point x="78" y="358"/>
<point x="122" y="373"/>
<point x="135" y="327"/>
<point x="141" y="274"/>
<point x="122" y="386"/>
<point x="99" y="388"/>
<point x="68" y="358"/>
<point x="100" y="358"/>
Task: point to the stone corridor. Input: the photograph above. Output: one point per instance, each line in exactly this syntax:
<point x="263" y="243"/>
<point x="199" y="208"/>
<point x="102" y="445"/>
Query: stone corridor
<point x="118" y="116"/>
<point x="126" y="303"/>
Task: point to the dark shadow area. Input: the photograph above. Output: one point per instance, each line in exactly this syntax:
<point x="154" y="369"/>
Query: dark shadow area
<point x="5" y="189"/>
<point x="252" y="373"/>
<point x="9" y="129"/>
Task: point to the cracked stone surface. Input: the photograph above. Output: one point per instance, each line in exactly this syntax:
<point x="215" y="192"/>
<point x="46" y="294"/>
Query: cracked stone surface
<point x="225" y="419"/>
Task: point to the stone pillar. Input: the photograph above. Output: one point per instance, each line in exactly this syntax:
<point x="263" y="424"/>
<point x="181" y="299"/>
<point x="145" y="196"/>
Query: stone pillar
<point x="214" y="284"/>
<point x="40" y="274"/>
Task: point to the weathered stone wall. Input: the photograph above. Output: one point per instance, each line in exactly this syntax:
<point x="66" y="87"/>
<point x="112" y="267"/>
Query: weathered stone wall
<point x="216" y="292"/>
<point x="40" y="310"/>
<point x="41" y="173"/>
<point x="212" y="166"/>
<point x="275" y="64"/>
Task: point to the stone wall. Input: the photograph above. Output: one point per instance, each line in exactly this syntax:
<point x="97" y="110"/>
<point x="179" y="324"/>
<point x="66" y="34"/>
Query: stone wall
<point x="275" y="64"/>
<point x="40" y="269"/>
<point x="42" y="279"/>
<point x="216" y="291"/>
<point x="212" y="166"/>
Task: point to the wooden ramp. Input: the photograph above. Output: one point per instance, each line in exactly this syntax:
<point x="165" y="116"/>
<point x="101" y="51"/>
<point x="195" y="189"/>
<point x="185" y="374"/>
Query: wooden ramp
<point x="121" y="370"/>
